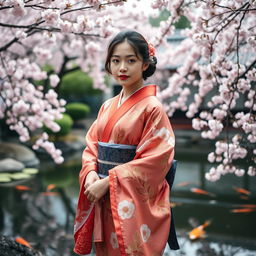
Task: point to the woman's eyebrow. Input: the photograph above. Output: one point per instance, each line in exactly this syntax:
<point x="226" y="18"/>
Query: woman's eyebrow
<point x="127" y="56"/>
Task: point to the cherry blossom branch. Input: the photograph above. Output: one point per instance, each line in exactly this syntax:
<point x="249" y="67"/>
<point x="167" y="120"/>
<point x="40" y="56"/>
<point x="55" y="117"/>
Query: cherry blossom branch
<point x="90" y="7"/>
<point x="218" y="5"/>
<point x="232" y="12"/>
<point x="168" y="27"/>
<point x="252" y="65"/>
<point x="36" y="27"/>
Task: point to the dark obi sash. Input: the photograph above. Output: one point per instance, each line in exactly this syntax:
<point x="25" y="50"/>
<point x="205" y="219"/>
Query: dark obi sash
<point x="110" y="155"/>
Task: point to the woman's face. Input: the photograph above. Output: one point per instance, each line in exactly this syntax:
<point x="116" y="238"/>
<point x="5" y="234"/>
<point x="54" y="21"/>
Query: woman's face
<point x="126" y="67"/>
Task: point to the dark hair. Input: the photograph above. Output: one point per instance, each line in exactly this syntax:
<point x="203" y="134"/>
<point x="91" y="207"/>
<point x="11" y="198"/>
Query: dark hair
<point x="140" y="46"/>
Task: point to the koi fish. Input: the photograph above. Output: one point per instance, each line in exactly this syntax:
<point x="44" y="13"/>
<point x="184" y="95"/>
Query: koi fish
<point x="50" y="187"/>
<point x="243" y="210"/>
<point x="182" y="184"/>
<point x="22" y="188"/>
<point x="198" y="232"/>
<point x="242" y="191"/>
<point x="49" y="193"/>
<point x="201" y="191"/>
<point x="249" y="205"/>
<point x="22" y="241"/>
<point x="244" y="197"/>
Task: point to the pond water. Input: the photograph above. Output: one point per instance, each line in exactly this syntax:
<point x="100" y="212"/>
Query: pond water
<point x="46" y="219"/>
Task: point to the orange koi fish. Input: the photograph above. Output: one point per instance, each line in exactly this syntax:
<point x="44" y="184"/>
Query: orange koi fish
<point x="182" y="184"/>
<point x="243" y="210"/>
<point x="249" y="205"/>
<point x="49" y="193"/>
<point x="242" y="191"/>
<point x="201" y="191"/>
<point x="22" y="241"/>
<point x="198" y="232"/>
<point x="50" y="187"/>
<point x="244" y="197"/>
<point x="22" y="188"/>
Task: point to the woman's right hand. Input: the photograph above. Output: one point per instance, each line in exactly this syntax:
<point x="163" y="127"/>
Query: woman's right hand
<point x="91" y="177"/>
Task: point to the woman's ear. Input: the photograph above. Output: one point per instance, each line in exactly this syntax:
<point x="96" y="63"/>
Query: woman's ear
<point x="145" y="66"/>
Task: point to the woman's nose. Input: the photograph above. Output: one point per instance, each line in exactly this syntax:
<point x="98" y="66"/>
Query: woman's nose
<point x="123" y="67"/>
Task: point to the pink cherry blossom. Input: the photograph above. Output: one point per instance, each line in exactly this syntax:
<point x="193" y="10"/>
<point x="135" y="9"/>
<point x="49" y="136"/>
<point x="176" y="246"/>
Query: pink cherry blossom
<point x="51" y="17"/>
<point x="54" y="80"/>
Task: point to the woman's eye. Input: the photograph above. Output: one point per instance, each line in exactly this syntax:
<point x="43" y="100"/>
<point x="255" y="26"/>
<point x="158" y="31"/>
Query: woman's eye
<point x="115" y="60"/>
<point x="131" y="60"/>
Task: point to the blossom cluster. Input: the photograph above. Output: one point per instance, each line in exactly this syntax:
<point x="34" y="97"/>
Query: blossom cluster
<point x="61" y="34"/>
<point x="27" y="108"/>
<point x="216" y="65"/>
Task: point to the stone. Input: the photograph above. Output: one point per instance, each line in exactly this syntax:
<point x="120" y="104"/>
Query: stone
<point x="18" y="152"/>
<point x="10" y="165"/>
<point x="9" y="247"/>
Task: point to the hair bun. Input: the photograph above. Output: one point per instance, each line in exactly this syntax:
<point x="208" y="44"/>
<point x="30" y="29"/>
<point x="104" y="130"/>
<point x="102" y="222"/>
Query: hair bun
<point x="151" y="68"/>
<point x="153" y="59"/>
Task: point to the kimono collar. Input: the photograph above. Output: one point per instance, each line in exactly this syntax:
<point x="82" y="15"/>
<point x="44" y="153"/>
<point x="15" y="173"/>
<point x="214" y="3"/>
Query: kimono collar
<point x="121" y="100"/>
<point x="116" y="113"/>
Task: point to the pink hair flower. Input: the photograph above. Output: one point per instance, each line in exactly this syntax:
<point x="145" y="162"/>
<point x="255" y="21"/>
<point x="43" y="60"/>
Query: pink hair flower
<point x="151" y="49"/>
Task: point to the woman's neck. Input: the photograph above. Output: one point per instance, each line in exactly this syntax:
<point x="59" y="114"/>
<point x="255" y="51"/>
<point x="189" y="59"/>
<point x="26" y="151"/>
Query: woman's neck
<point x="128" y="91"/>
<point x="124" y="98"/>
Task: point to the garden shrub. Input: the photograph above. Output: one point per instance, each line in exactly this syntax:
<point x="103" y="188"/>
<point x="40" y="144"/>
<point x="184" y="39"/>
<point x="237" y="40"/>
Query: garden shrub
<point x="77" y="110"/>
<point x="65" y="123"/>
<point x="77" y="83"/>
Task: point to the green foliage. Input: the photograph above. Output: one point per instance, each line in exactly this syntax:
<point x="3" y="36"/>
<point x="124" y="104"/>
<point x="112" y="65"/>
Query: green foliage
<point x="77" y="110"/>
<point x="182" y="23"/>
<point x="65" y="123"/>
<point x="164" y="15"/>
<point x="77" y="83"/>
<point x="48" y="68"/>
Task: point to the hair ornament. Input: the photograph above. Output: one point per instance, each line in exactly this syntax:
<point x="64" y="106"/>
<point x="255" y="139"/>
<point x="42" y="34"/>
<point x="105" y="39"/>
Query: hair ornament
<point x="151" y="50"/>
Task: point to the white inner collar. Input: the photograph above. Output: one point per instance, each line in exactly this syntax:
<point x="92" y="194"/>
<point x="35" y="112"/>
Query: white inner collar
<point x="121" y="100"/>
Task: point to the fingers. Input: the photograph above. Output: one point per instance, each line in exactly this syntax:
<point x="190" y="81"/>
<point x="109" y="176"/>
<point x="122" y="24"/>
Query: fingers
<point x="90" y="182"/>
<point x="92" y="198"/>
<point x="86" y="185"/>
<point x="89" y="194"/>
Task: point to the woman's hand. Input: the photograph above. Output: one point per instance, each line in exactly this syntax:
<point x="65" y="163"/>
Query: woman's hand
<point x="97" y="190"/>
<point x="91" y="177"/>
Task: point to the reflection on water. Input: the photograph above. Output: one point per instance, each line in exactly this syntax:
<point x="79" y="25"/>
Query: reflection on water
<point x="46" y="220"/>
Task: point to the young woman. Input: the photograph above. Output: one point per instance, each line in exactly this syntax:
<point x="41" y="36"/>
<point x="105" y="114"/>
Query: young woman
<point x="124" y="204"/>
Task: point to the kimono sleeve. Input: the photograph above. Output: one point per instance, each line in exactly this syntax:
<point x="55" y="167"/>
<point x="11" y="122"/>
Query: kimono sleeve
<point x="89" y="156"/>
<point x="155" y="152"/>
<point x="84" y="220"/>
<point x="90" y="153"/>
<point x="139" y="192"/>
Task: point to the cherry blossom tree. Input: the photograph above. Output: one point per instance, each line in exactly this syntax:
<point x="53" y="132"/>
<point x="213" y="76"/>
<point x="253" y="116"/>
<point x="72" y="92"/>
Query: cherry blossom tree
<point x="66" y="35"/>
<point x="219" y="62"/>
<point x="217" y="65"/>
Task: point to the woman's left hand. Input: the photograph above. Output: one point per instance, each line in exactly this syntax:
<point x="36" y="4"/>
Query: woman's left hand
<point x="97" y="190"/>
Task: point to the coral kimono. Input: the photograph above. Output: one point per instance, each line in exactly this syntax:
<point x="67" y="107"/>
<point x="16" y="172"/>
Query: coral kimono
<point x="134" y="217"/>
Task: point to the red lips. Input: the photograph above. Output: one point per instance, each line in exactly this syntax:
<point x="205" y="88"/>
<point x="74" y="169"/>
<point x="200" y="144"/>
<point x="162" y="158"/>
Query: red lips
<point x="123" y="77"/>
